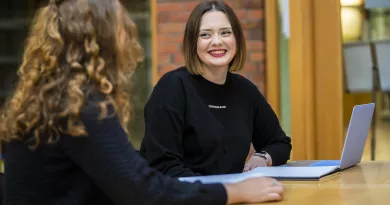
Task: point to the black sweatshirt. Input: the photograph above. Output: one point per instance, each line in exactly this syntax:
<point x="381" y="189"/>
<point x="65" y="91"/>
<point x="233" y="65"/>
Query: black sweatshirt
<point x="102" y="168"/>
<point x="196" y="127"/>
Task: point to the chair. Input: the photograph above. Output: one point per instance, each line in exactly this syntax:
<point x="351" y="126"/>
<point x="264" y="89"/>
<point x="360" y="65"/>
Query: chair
<point x="358" y="64"/>
<point x="360" y="75"/>
<point x="382" y="53"/>
<point x="382" y="59"/>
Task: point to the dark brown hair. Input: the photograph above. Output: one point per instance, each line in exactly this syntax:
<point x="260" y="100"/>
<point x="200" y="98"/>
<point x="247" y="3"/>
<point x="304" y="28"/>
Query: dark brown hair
<point x="72" y="45"/>
<point x="191" y="36"/>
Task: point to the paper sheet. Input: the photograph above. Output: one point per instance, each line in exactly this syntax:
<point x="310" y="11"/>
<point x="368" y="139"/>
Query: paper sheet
<point x="224" y="178"/>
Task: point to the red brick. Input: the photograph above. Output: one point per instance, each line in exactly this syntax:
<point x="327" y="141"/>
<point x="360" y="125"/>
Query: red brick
<point x="255" y="14"/>
<point x="165" y="58"/>
<point x="246" y="24"/>
<point x="170" y="38"/>
<point x="253" y="34"/>
<point x="171" y="27"/>
<point x="254" y="45"/>
<point x="249" y="67"/>
<point x="178" y="17"/>
<point x="167" y="6"/>
<point x="163" y="17"/>
<point x="239" y="5"/>
<point x="189" y="6"/>
<point x="258" y="79"/>
<point x="168" y="47"/>
<point x="241" y="14"/>
<point x="164" y="68"/>
<point x="257" y="56"/>
<point x="178" y="58"/>
<point x="253" y="4"/>
<point x="234" y="4"/>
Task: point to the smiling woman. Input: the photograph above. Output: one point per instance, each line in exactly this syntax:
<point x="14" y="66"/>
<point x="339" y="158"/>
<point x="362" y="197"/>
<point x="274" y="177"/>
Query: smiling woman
<point x="202" y="118"/>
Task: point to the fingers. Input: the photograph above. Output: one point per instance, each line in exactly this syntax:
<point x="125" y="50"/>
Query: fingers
<point x="248" y="168"/>
<point x="273" y="197"/>
<point x="275" y="182"/>
<point x="275" y="191"/>
<point x="254" y="162"/>
<point x="271" y="181"/>
<point x="261" y="189"/>
<point x="276" y="188"/>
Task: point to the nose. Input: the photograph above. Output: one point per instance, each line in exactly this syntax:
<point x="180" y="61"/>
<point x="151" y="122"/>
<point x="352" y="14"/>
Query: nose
<point x="216" y="40"/>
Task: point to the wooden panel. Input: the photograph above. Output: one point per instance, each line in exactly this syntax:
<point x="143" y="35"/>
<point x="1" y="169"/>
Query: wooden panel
<point x="153" y="31"/>
<point x="316" y="79"/>
<point x="301" y="80"/>
<point x="329" y="79"/>
<point x="272" y="85"/>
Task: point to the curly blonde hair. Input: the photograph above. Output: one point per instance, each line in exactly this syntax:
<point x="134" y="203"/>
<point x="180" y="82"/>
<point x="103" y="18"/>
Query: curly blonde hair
<point x="72" y="45"/>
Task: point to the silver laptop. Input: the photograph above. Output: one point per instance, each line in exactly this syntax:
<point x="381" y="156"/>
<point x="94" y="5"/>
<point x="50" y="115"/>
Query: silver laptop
<point x="355" y="141"/>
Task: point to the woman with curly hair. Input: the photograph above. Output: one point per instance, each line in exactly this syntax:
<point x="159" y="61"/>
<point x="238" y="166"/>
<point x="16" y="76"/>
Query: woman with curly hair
<point x="66" y="122"/>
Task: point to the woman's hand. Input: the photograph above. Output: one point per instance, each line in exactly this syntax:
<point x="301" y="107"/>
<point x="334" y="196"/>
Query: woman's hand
<point x="255" y="190"/>
<point x="256" y="161"/>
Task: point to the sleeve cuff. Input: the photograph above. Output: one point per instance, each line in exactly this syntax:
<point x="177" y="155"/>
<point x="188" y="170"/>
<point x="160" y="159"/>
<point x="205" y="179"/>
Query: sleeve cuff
<point x="217" y="193"/>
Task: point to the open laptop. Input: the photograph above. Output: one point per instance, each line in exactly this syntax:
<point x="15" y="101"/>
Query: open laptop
<point x="355" y="141"/>
<point x="354" y="144"/>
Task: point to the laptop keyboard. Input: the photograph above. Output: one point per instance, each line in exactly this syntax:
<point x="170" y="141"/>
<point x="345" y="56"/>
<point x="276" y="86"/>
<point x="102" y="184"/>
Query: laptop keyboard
<point x="325" y="163"/>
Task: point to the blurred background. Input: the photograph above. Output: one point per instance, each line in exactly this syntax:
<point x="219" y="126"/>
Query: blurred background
<point x="313" y="60"/>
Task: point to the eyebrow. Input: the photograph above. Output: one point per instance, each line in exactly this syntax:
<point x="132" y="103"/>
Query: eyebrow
<point x="212" y="29"/>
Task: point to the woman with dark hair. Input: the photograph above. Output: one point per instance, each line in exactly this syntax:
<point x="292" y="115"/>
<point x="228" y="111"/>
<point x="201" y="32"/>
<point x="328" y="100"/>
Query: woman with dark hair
<point x="66" y="122"/>
<point x="202" y="118"/>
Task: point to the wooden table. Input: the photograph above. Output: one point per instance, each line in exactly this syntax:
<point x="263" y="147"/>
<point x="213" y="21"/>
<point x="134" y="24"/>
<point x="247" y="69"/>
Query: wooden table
<point x="365" y="184"/>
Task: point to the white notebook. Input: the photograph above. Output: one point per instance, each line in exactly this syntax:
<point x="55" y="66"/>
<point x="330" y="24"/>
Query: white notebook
<point x="223" y="178"/>
<point x="296" y="173"/>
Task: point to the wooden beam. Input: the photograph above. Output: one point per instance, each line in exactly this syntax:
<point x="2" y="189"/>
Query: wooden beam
<point x="301" y="80"/>
<point x="329" y="79"/>
<point x="153" y="31"/>
<point x="272" y="83"/>
<point x="316" y="79"/>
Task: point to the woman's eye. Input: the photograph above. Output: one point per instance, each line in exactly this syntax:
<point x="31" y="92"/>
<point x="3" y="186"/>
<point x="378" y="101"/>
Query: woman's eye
<point x="226" y="33"/>
<point x="204" y="35"/>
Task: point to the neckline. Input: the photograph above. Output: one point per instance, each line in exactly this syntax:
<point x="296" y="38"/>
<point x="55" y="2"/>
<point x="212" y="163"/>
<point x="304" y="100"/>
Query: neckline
<point x="206" y="82"/>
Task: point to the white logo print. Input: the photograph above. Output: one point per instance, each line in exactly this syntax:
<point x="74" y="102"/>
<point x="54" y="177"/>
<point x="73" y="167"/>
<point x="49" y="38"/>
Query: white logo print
<point x="217" y="107"/>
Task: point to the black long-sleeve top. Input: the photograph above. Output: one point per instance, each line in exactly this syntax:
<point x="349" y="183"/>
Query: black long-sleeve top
<point x="196" y="127"/>
<point x="102" y="168"/>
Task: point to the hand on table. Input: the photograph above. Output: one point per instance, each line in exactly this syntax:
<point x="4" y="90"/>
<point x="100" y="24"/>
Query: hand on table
<point x="255" y="190"/>
<point x="253" y="162"/>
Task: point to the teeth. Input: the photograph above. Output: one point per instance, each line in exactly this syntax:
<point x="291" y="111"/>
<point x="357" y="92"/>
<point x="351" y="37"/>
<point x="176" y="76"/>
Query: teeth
<point x="217" y="52"/>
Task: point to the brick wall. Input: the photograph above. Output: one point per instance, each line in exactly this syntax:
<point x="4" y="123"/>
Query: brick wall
<point x="171" y="19"/>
